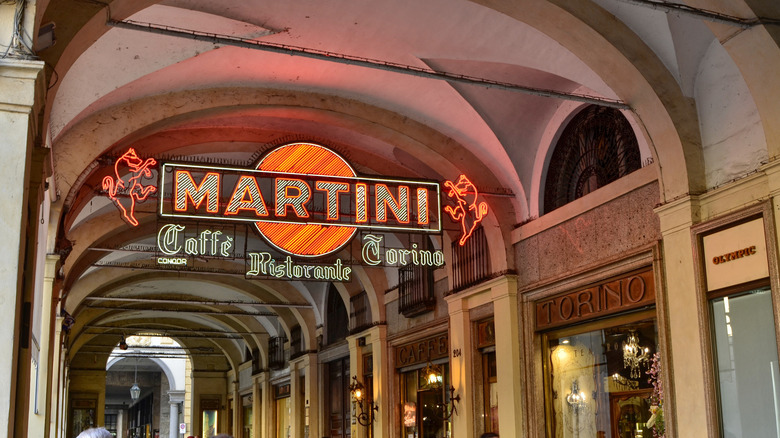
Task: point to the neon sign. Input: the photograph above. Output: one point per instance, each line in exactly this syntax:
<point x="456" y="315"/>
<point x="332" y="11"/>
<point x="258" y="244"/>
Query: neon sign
<point x="170" y="241"/>
<point x="373" y="254"/>
<point x="466" y="211"/>
<point x="129" y="170"/>
<point x="263" y="264"/>
<point x="305" y="199"/>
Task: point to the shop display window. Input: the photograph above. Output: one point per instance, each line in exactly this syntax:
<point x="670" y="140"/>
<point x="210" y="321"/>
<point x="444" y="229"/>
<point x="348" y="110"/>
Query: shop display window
<point x="745" y="349"/>
<point x="491" y="391"/>
<point x="424" y="409"/>
<point x="597" y="381"/>
<point x="209" y="423"/>
<point x="283" y="415"/>
<point x="246" y="416"/>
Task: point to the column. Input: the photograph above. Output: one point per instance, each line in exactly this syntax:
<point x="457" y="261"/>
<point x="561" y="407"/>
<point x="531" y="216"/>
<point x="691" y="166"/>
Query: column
<point x="461" y="368"/>
<point x="296" y="419"/>
<point x="508" y="355"/>
<point x="174" y="398"/>
<point x="312" y="404"/>
<point x="45" y="364"/>
<point x="688" y="412"/>
<point x="355" y="369"/>
<point x="174" y="420"/>
<point x="257" y="406"/>
<point x="381" y="361"/>
<point x="20" y="87"/>
<point x="267" y="407"/>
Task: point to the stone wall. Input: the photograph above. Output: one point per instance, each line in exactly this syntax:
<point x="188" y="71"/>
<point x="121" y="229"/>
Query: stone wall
<point x="605" y="233"/>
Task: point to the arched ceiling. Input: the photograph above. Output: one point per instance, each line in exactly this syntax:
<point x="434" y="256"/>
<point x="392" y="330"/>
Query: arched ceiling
<point x="169" y="91"/>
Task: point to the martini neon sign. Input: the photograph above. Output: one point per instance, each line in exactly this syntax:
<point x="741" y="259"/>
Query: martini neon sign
<point x="305" y="199"/>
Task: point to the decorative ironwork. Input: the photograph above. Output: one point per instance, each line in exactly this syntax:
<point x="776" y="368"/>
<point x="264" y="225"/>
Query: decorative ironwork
<point x="596" y="148"/>
<point x="360" y="317"/>
<point x="433" y="379"/>
<point x="470" y="262"/>
<point x="366" y="406"/>
<point x="296" y="342"/>
<point x="276" y="359"/>
<point x="415" y="290"/>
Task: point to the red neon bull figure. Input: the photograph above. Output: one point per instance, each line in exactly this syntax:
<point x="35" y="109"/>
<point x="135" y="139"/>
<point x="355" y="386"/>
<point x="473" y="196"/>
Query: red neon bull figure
<point x="128" y="171"/>
<point x="467" y="211"/>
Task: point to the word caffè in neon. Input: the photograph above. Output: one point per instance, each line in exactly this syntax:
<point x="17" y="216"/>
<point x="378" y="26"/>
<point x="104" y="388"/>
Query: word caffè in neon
<point x="306" y="202"/>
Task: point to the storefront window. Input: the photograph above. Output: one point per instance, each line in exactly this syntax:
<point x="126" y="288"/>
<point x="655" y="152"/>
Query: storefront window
<point x="82" y="415"/>
<point x="491" y="391"/>
<point x="283" y="418"/>
<point x="597" y="381"/>
<point x="247" y="416"/>
<point x="424" y="410"/>
<point x="747" y="364"/>
<point x="209" y="423"/>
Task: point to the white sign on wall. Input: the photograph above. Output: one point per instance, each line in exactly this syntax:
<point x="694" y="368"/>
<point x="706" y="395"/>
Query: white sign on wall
<point x="736" y="255"/>
<point x="182" y="428"/>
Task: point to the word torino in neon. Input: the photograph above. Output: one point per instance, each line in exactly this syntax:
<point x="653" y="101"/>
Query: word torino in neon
<point x="373" y="255"/>
<point x="243" y="194"/>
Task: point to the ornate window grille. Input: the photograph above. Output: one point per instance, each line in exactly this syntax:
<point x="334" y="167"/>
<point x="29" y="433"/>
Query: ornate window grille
<point x="470" y="262"/>
<point x="361" y="312"/>
<point x="596" y="148"/>
<point x="276" y="359"/>
<point x="296" y="342"/>
<point x="337" y="317"/>
<point x="256" y="366"/>
<point x="415" y="290"/>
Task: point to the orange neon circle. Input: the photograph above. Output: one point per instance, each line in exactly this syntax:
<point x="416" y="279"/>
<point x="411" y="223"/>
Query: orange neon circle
<point x="309" y="240"/>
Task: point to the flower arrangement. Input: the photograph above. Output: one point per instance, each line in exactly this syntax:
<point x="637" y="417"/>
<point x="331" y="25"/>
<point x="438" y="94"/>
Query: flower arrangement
<point x="656" y="421"/>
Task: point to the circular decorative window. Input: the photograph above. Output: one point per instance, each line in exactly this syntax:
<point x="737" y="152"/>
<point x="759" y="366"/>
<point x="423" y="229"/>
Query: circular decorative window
<point x="597" y="147"/>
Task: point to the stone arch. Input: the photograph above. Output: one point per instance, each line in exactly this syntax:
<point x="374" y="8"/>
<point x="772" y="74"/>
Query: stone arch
<point x="173" y="386"/>
<point x="622" y="60"/>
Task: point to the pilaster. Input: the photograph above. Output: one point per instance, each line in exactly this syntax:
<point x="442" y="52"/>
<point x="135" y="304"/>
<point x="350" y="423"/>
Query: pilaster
<point x="461" y="367"/>
<point x="257" y="408"/>
<point x="40" y="426"/>
<point x="20" y="90"/>
<point x="355" y="369"/>
<point x="266" y="407"/>
<point x="381" y="363"/>
<point x="508" y="355"/>
<point x="312" y="396"/>
<point x="685" y="344"/>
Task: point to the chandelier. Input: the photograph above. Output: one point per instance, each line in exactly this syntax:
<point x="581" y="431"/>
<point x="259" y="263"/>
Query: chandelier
<point x="576" y="398"/>
<point x="634" y="355"/>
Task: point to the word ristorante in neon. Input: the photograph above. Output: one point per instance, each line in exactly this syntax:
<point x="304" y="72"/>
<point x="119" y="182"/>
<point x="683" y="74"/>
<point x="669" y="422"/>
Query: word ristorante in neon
<point x="263" y="264"/>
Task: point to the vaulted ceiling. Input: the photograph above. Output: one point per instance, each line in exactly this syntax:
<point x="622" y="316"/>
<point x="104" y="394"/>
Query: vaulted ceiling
<point x="405" y="88"/>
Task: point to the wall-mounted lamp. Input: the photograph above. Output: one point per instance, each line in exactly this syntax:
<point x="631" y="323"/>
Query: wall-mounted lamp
<point x="434" y="381"/>
<point x="576" y="398"/>
<point x="358" y="391"/>
<point x="122" y="343"/>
